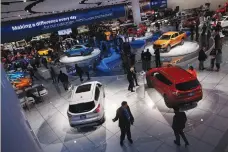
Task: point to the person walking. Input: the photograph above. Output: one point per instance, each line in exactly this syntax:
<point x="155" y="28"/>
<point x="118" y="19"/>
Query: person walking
<point x="157" y="58"/>
<point x="148" y="59"/>
<point x="134" y="75"/>
<point x="217" y="40"/>
<point x="53" y="75"/>
<point x="143" y="60"/>
<point x="179" y="120"/>
<point x="130" y="80"/>
<point x="79" y="72"/>
<point x="192" y="31"/>
<point x="202" y="57"/>
<point x="32" y="74"/>
<point x="218" y="59"/>
<point x="212" y="56"/>
<point x="64" y="79"/>
<point x="126" y="119"/>
<point x="192" y="71"/>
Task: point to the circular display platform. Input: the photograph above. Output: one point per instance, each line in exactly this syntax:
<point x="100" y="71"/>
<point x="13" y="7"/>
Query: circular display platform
<point x="80" y="59"/>
<point x="178" y="50"/>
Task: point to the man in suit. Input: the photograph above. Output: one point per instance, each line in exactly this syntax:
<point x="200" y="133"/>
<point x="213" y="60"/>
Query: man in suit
<point x="179" y="120"/>
<point x="130" y="79"/>
<point x="123" y="114"/>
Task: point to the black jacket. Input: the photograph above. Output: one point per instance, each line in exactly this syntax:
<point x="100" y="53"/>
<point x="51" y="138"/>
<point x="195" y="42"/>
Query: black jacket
<point x="123" y="121"/>
<point x="179" y="120"/>
<point x="63" y="77"/>
<point x="202" y="56"/>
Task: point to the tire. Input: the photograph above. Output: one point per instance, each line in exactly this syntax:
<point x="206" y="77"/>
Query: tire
<point x="149" y="84"/>
<point x="167" y="102"/>
<point x="182" y="42"/>
<point x="168" y="48"/>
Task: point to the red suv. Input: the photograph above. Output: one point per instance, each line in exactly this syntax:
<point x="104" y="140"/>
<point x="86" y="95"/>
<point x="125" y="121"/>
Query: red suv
<point x="175" y="84"/>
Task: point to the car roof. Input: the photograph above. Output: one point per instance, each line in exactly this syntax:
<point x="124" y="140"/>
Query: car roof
<point x="170" y="33"/>
<point x="86" y="96"/>
<point x="176" y="74"/>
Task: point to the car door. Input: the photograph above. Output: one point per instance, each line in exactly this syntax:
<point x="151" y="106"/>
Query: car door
<point x="99" y="97"/>
<point x="172" y="41"/>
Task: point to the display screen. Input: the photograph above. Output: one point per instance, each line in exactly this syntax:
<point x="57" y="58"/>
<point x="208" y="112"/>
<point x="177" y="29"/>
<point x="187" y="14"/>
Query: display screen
<point x="65" y="32"/>
<point x="83" y="29"/>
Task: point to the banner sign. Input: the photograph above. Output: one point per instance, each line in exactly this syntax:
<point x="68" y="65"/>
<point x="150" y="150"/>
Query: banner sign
<point x="21" y="29"/>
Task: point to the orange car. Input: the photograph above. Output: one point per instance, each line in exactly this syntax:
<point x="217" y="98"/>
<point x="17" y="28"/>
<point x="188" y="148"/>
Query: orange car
<point x="22" y="83"/>
<point x="169" y="39"/>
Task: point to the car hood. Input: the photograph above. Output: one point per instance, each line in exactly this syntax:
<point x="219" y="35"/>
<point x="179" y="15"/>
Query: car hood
<point x="161" y="42"/>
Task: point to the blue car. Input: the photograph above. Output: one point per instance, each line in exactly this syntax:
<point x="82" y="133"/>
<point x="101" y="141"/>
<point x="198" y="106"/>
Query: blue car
<point x="16" y="75"/>
<point x="79" y="50"/>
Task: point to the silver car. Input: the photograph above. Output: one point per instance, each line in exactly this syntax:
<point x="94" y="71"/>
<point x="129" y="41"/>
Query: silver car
<point x="86" y="107"/>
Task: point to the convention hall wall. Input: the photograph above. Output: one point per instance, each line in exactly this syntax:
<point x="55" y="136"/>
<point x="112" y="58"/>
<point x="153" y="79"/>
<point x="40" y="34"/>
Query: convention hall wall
<point x="186" y="4"/>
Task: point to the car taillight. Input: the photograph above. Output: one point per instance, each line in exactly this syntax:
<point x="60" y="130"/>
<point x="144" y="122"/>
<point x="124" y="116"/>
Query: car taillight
<point x="176" y="93"/>
<point x="98" y="109"/>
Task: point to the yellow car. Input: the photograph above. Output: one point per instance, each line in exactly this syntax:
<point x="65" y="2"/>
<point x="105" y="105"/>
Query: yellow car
<point x="44" y="51"/>
<point x="169" y="40"/>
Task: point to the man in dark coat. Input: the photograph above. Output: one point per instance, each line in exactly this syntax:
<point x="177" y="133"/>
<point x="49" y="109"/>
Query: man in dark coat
<point x="202" y="57"/>
<point x="79" y="72"/>
<point x="217" y="40"/>
<point x="126" y="119"/>
<point x="157" y="58"/>
<point x="64" y="79"/>
<point x="179" y="120"/>
<point x="130" y="79"/>
<point x="53" y="75"/>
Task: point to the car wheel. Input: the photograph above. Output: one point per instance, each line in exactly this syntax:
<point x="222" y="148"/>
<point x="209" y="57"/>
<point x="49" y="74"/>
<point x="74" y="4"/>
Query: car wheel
<point x="168" y="48"/>
<point x="167" y="102"/>
<point x="149" y="84"/>
<point x="182" y="42"/>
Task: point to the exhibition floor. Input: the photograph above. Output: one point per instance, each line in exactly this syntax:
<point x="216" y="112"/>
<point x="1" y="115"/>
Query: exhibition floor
<point x="207" y="125"/>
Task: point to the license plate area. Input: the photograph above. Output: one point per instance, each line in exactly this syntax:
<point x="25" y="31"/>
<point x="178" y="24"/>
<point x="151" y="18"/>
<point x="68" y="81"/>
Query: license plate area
<point x="191" y="94"/>
<point x="82" y="117"/>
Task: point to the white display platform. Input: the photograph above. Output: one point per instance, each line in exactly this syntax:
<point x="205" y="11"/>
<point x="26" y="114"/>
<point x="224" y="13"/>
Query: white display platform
<point x="80" y="59"/>
<point x="178" y="50"/>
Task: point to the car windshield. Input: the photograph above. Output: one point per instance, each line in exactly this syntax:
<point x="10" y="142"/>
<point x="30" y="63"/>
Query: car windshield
<point x="82" y="107"/>
<point x="83" y="88"/>
<point x="185" y="86"/>
<point x="223" y="18"/>
<point x="165" y="37"/>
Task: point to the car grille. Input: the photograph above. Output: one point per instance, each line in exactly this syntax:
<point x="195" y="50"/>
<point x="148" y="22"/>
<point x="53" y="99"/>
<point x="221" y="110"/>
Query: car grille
<point x="156" y="46"/>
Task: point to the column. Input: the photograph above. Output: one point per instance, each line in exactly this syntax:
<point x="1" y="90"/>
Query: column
<point x="15" y="131"/>
<point x="136" y="11"/>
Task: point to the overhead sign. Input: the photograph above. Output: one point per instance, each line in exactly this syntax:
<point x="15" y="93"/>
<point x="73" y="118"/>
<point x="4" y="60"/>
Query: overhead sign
<point x="34" y="26"/>
<point x="156" y="4"/>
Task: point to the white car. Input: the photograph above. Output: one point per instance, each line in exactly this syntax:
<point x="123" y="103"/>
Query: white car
<point x="86" y="107"/>
<point x="223" y="21"/>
